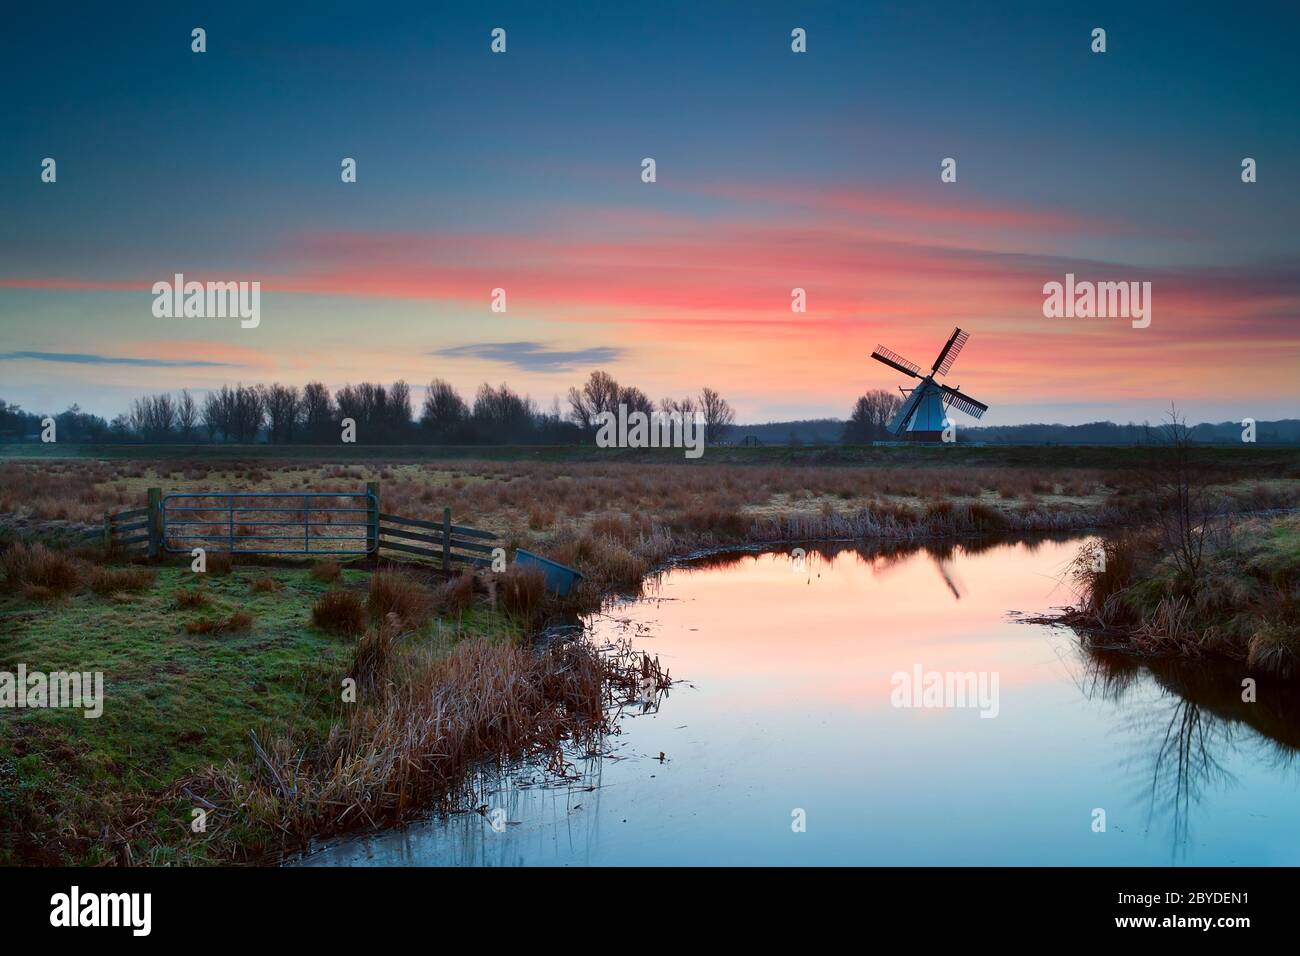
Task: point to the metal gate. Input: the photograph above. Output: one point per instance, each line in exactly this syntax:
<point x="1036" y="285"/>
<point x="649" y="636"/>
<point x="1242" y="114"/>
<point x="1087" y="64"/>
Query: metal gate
<point x="258" y="522"/>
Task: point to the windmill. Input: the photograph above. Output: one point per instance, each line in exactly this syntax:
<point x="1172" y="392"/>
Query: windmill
<point x="921" y="416"/>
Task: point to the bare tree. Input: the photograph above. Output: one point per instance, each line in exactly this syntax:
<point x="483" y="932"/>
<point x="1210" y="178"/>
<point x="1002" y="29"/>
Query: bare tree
<point x="247" y="412"/>
<point x="686" y="407"/>
<point x="871" y="416"/>
<point x="502" y="415"/>
<point x="317" y="412"/>
<point x="635" y="400"/>
<point x="397" y="412"/>
<point x="153" y="417"/>
<point x="214" y="415"/>
<point x="1188" y="510"/>
<point x="599" y="394"/>
<point x="718" y="415"/>
<point x="187" y="415"/>
<point x="444" y="412"/>
<point x="283" y="406"/>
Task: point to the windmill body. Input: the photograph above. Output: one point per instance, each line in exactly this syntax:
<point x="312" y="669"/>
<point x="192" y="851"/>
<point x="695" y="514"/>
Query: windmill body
<point x="923" y="412"/>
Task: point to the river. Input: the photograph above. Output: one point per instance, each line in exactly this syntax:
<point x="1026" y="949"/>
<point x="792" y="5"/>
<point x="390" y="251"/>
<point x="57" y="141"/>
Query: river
<point x="794" y="735"/>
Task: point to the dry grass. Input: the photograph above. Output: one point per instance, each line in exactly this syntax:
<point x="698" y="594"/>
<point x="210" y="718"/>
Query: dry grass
<point x="39" y="571"/>
<point x="236" y="622"/>
<point x="1243" y="605"/>
<point x="372" y="658"/>
<point x="106" y="581"/>
<point x="422" y="724"/>
<point x="615" y="520"/>
<point x="327" y="572"/>
<point x="522" y="592"/>
<point x="340" y="612"/>
<point x="191" y="598"/>
<point x="456" y="595"/>
<point x="399" y="596"/>
<point x="218" y="563"/>
<point x="265" y="585"/>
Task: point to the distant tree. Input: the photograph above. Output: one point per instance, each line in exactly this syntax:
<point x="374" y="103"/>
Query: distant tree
<point x="635" y="400"/>
<point x="871" y="415"/>
<point x="153" y="417"/>
<point x="501" y="415"/>
<point x="686" y="407"/>
<point x="214" y="413"/>
<point x="187" y="415"/>
<point x="444" y="415"/>
<point x="397" y="413"/>
<point x="247" y="412"/>
<point x="318" y="421"/>
<point x="76" y="425"/>
<point x="351" y="403"/>
<point x="599" y="394"/>
<point x="718" y="415"/>
<point x="283" y="406"/>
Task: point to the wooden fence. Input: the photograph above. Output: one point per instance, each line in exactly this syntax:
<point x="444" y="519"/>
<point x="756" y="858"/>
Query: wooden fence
<point x="442" y="541"/>
<point x="124" y="531"/>
<point x="144" y="531"/>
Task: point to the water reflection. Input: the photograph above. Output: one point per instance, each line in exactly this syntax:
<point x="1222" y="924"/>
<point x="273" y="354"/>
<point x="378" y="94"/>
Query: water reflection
<point x="786" y="704"/>
<point x="1192" y="732"/>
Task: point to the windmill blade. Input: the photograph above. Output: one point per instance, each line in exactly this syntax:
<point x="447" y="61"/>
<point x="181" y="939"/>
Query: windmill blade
<point x="963" y="402"/>
<point x="945" y="570"/>
<point x="950" y="352"/>
<point x="894" y="360"/>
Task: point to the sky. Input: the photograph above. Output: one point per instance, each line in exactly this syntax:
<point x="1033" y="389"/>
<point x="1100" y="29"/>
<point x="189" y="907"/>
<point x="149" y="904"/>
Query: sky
<point x="775" y="170"/>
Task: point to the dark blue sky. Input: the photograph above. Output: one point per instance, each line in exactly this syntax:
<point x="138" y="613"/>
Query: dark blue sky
<point x="170" y="161"/>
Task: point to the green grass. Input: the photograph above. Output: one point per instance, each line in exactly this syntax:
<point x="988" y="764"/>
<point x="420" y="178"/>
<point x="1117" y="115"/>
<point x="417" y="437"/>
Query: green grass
<point x="1243" y="605"/>
<point x="174" y="702"/>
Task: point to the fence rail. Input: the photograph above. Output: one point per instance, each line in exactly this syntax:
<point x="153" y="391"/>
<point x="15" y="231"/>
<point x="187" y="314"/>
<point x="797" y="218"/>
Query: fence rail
<point x="442" y="541"/>
<point x="306" y="523"/>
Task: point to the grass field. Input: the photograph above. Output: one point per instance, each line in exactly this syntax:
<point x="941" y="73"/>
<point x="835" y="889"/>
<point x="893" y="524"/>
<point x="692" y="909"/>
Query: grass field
<point x="1242" y="604"/>
<point x="193" y="680"/>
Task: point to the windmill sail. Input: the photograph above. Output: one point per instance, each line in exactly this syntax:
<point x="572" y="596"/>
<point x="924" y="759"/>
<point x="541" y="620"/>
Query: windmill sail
<point x="963" y="402"/>
<point x="894" y="360"/>
<point x="950" y="352"/>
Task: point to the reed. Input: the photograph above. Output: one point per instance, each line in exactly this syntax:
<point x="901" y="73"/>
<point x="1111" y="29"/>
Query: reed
<point x="39" y="571"/>
<point x="327" y="572"/>
<point x="423" y="723"/>
<point x="233" y="623"/>
<point x="340" y="612"/>
<point x="106" y="581"/>
<point x="395" y="594"/>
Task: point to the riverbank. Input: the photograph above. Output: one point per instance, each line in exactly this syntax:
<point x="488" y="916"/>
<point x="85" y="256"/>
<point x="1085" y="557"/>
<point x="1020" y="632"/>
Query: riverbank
<point x="1240" y="601"/>
<point x="254" y="708"/>
<point x="226" y="699"/>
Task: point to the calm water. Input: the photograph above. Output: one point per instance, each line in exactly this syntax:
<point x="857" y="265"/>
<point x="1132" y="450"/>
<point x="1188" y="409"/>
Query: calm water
<point x="785" y="706"/>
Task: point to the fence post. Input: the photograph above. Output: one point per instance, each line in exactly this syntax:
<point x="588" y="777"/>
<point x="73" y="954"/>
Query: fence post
<point x="155" y="522"/>
<point x="372" y="487"/>
<point x="446" y="540"/>
<point x="108" y="532"/>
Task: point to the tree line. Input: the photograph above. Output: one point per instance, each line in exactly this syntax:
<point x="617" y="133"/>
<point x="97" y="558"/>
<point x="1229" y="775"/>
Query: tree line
<point x="381" y="414"/>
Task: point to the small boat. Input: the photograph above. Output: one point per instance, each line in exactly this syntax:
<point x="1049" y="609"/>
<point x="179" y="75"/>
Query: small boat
<point x="560" y="578"/>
